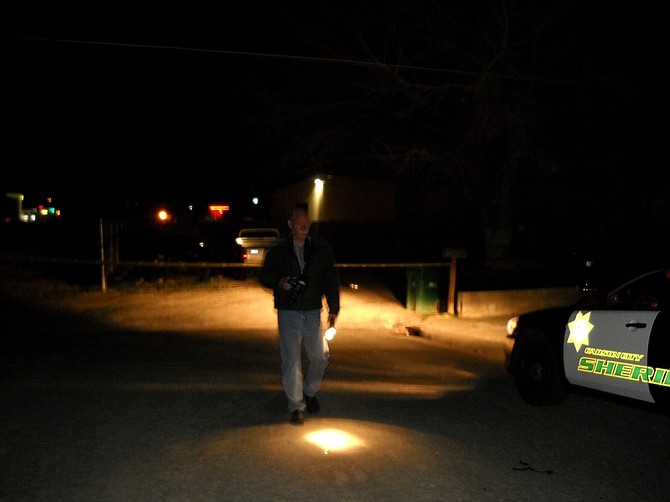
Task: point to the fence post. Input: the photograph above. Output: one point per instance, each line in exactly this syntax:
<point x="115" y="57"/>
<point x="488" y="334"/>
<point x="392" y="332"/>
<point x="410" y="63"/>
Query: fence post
<point x="453" y="254"/>
<point x="102" y="258"/>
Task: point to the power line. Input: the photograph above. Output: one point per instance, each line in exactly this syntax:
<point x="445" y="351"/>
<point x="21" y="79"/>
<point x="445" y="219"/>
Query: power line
<point x="291" y="57"/>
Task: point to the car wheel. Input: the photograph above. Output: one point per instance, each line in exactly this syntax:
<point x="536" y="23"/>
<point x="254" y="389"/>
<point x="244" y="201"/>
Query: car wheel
<point x="537" y="375"/>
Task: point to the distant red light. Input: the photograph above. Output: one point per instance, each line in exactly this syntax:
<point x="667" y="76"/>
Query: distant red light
<point x="217" y="210"/>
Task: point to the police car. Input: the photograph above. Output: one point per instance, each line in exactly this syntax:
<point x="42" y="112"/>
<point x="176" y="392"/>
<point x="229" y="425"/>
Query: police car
<point x="617" y="342"/>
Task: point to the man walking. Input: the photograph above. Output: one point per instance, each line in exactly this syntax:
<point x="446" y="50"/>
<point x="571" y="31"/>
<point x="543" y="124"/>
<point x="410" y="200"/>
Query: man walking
<point x="301" y="272"/>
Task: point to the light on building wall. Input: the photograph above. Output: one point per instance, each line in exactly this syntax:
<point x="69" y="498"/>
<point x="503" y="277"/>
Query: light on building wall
<point x="317" y="197"/>
<point x="19" y="203"/>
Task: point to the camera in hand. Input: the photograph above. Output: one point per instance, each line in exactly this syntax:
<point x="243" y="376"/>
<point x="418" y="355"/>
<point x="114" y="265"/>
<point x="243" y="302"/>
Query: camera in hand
<point x="298" y="285"/>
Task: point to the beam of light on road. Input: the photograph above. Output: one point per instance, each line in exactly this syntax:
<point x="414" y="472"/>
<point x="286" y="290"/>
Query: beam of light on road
<point x="333" y="440"/>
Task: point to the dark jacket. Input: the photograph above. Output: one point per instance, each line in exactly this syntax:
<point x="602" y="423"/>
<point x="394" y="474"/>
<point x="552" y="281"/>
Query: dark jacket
<point x="321" y="274"/>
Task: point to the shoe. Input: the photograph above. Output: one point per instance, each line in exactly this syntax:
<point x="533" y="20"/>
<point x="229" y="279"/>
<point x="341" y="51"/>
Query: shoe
<point x="297" y="418"/>
<point x="312" y="404"/>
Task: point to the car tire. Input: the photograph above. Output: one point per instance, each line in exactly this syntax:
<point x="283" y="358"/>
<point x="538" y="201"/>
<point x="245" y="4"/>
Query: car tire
<point x="537" y="374"/>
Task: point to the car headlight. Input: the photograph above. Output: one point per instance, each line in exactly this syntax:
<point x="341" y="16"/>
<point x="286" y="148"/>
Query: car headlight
<point x="512" y="325"/>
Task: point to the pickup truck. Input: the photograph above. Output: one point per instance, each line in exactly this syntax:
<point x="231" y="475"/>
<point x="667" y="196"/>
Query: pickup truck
<point x="254" y="242"/>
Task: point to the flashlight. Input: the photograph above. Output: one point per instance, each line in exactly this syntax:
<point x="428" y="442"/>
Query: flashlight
<point x="330" y="333"/>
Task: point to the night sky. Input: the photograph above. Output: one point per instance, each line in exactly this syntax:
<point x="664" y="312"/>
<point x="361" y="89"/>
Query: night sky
<point x="131" y="103"/>
<point x="123" y="104"/>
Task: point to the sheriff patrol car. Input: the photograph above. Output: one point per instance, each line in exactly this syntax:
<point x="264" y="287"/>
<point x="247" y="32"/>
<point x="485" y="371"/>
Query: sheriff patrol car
<point x="616" y="342"/>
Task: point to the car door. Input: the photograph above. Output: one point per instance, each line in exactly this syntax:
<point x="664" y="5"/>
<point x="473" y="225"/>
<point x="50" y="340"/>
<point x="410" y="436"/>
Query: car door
<point x="608" y="350"/>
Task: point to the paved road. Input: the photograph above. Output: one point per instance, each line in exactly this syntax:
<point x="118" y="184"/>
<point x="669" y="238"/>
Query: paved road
<point x="162" y="393"/>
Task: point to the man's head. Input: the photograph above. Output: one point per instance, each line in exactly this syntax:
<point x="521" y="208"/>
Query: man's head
<point x="299" y="222"/>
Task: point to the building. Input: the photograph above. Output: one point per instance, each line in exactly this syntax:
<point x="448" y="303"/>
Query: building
<point x="378" y="220"/>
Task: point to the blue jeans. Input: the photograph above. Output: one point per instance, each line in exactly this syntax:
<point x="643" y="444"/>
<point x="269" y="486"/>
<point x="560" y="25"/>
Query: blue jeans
<point x="295" y="328"/>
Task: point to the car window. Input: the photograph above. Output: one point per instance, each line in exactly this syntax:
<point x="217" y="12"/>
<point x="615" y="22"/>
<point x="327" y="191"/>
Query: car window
<point x="648" y="292"/>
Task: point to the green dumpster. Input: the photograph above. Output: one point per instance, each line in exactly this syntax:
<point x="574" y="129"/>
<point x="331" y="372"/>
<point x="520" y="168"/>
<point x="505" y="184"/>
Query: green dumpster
<point x="423" y="292"/>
